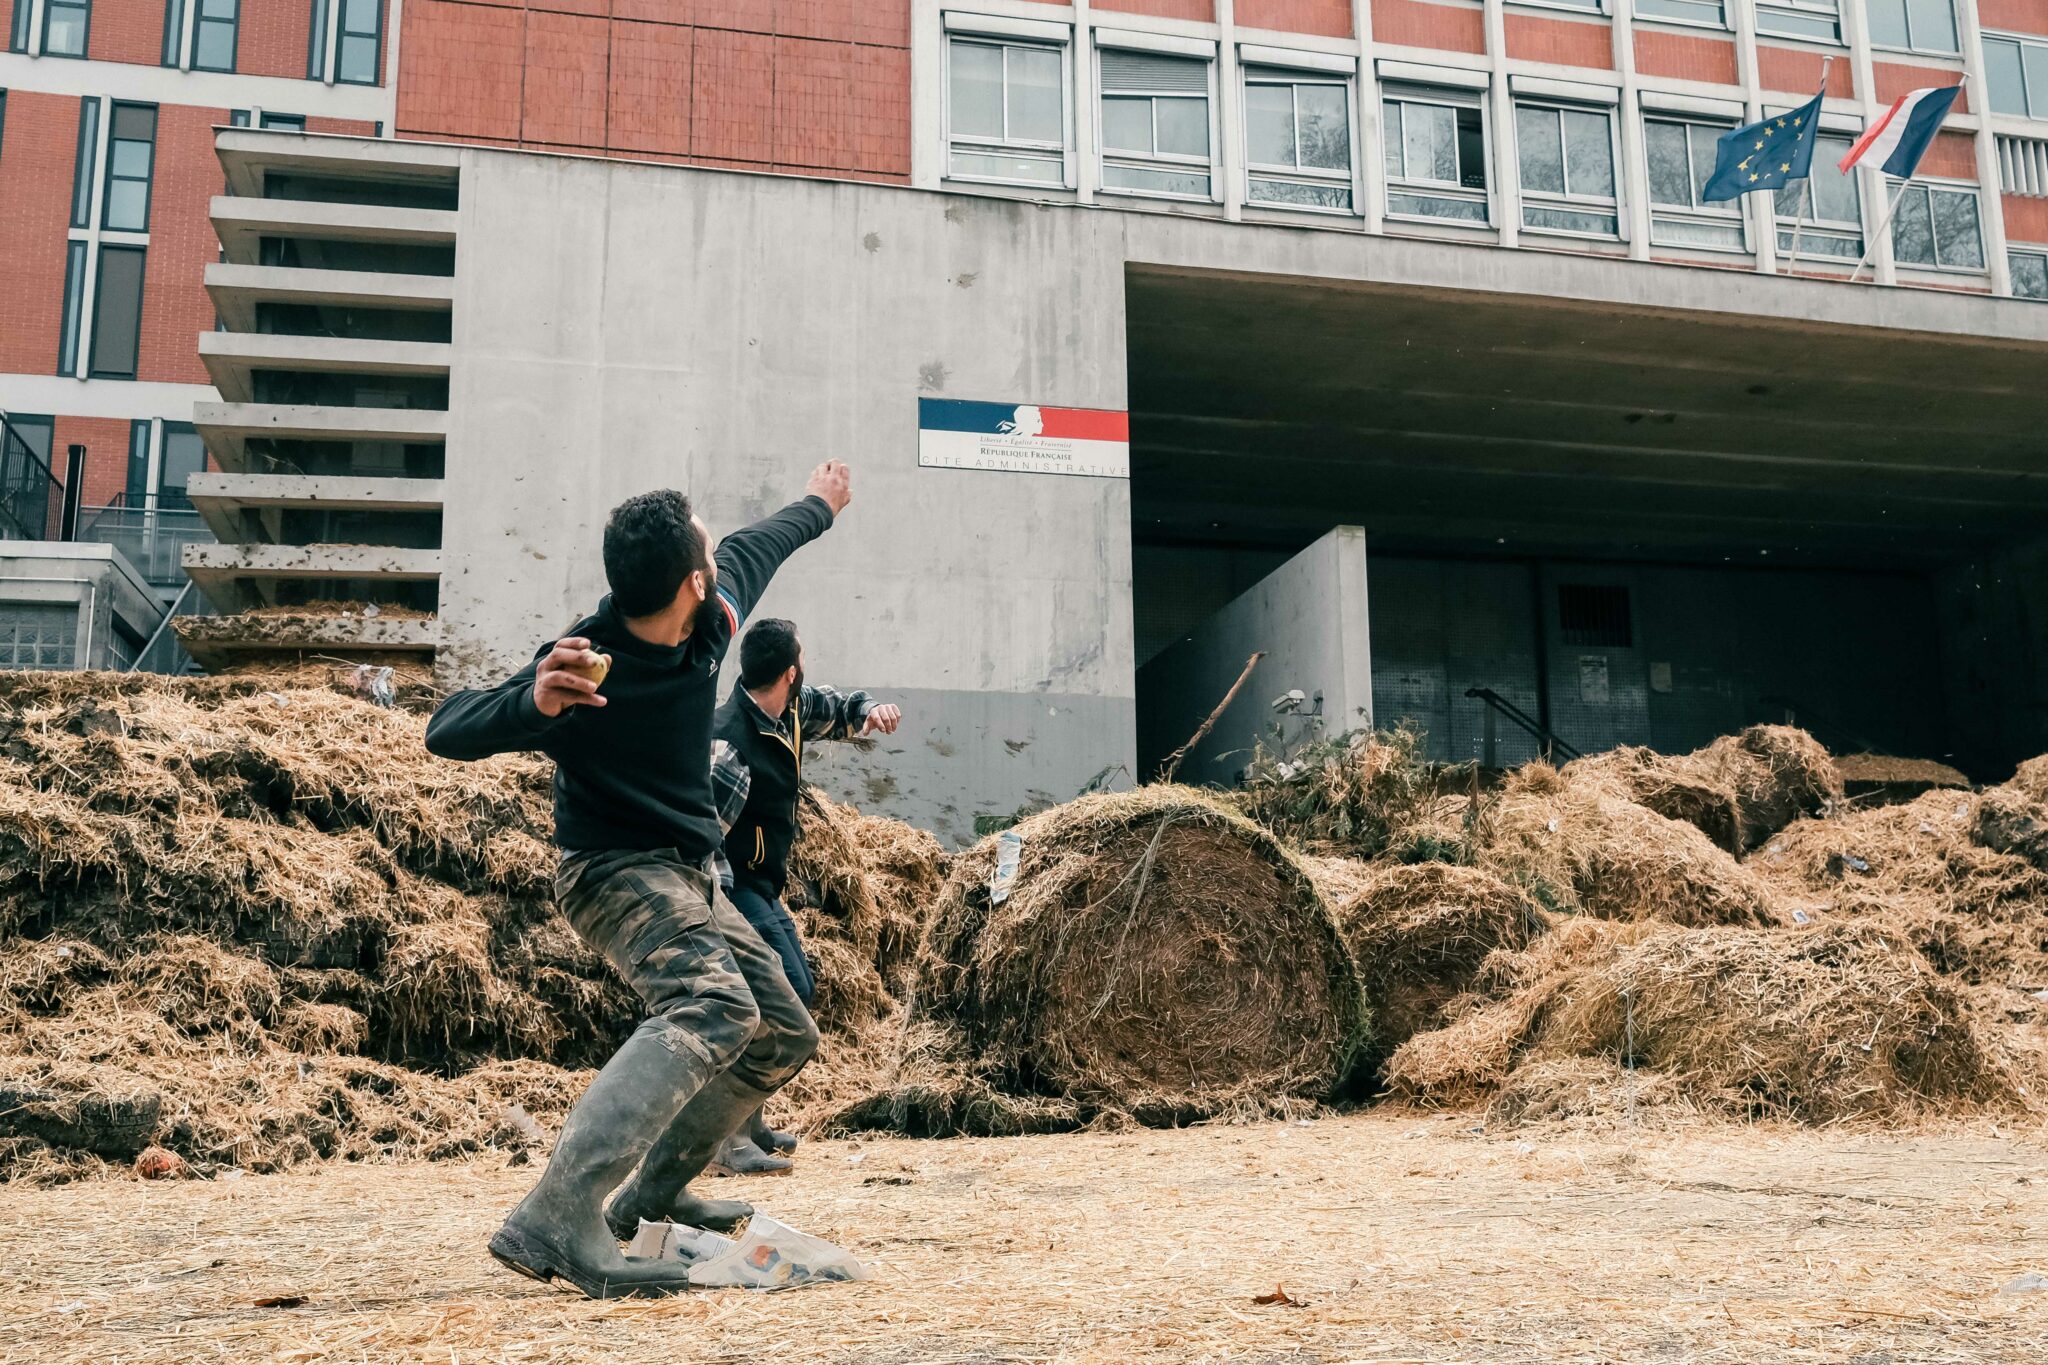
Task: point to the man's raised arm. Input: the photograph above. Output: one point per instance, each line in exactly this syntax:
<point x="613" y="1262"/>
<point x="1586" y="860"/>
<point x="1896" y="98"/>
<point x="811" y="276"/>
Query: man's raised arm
<point x="748" y="558"/>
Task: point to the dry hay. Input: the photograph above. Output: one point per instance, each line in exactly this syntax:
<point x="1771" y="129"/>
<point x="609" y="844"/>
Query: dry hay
<point x="1360" y="795"/>
<point x="1158" y="958"/>
<point x="1672" y="788"/>
<point x="1419" y="933"/>
<point x="1813" y="1024"/>
<point x="1777" y="774"/>
<point x="1578" y="843"/>
<point x="1885" y="770"/>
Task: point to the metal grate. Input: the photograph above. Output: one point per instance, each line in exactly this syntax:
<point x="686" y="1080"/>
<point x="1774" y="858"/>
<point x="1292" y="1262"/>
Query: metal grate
<point x="1148" y="74"/>
<point x="2023" y="165"/>
<point x="1594" y="614"/>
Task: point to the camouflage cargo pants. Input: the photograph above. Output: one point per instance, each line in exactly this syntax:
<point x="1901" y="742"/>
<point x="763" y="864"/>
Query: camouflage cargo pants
<point x="713" y="989"/>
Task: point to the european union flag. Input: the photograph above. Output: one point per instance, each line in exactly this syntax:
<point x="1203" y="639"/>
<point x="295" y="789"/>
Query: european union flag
<point x="1763" y="156"/>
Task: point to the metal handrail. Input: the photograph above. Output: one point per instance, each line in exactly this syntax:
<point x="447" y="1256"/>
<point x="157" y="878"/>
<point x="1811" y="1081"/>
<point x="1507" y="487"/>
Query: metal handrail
<point x="1550" y="742"/>
<point x="26" y="483"/>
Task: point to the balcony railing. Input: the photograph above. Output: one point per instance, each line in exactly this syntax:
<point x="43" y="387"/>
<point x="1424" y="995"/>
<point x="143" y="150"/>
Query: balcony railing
<point x="150" y="537"/>
<point x="26" y="488"/>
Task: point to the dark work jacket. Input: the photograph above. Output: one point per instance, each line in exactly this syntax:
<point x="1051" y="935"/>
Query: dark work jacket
<point x="636" y="772"/>
<point x="757" y="846"/>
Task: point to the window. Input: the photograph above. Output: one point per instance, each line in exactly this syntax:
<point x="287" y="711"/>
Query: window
<point x="1680" y="153"/>
<point x="137" y="487"/>
<point x="316" y="43"/>
<point x="17" y="32"/>
<point x="184" y="456"/>
<point x="1921" y="25"/>
<point x="74" y="304"/>
<point x="2022" y="165"/>
<point x="1595" y="614"/>
<point x="1567" y="160"/>
<point x="38" y="635"/>
<point x="65" y="26"/>
<point x="2017" y="71"/>
<point x="1937" y="227"/>
<point x="131" y="149"/>
<point x="174" y="32"/>
<point x="1435" y="156"/>
<point x="1833" y="213"/>
<point x="2029" y="272"/>
<point x="1155" y="124"/>
<point x="361" y="42"/>
<point x="213" y="43"/>
<point x="85" y="160"/>
<point x="290" y="123"/>
<point x="117" y="312"/>
<point x="1801" y="18"/>
<point x="1006" y="108"/>
<point x="1708" y="12"/>
<point x="1297" y="139"/>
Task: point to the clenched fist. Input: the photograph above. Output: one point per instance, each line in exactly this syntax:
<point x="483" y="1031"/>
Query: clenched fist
<point x="830" y="482"/>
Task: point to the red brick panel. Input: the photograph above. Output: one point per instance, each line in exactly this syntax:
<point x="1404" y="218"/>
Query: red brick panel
<point x="813" y="107"/>
<point x="2014" y="16"/>
<point x="881" y="111"/>
<point x="1797" y="71"/>
<point x="175" y="305"/>
<point x="347" y="127"/>
<point x="566" y="57"/>
<point x="106" y="455"/>
<point x="459" y="70"/>
<point x="7" y="16"/>
<point x="272" y="41"/>
<point x="599" y="9"/>
<point x="742" y="16"/>
<point x="1532" y="39"/>
<point x="126" y="31"/>
<point x="1329" y="18"/>
<point x="1685" y="57"/>
<point x="1199" y="10"/>
<point x="2026" y="219"/>
<point x="654" y="11"/>
<point x="732" y="96"/>
<point x="1417" y="23"/>
<point x="41" y="138"/>
<point x="649" y="109"/>
<point x="1893" y="80"/>
<point x="1952" y="155"/>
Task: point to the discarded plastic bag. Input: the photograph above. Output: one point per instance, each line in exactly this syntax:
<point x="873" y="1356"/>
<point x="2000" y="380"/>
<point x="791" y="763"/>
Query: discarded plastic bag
<point x="769" y="1255"/>
<point x="1009" y="849"/>
<point x="374" y="684"/>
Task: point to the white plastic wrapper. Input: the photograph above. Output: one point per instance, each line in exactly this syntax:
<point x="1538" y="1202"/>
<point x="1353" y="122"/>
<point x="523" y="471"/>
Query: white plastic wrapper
<point x="769" y="1255"/>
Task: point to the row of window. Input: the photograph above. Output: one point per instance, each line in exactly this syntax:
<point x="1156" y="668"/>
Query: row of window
<point x="1906" y="25"/>
<point x="213" y="28"/>
<point x="1007" y="123"/>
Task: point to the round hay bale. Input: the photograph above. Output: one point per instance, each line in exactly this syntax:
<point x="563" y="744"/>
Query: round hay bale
<point x="1156" y="955"/>
<point x="1419" y="933"/>
<point x="1576" y="842"/>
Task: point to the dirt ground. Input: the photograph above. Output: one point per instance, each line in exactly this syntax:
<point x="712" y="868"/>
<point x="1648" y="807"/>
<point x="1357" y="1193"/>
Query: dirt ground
<point x="1408" y="1237"/>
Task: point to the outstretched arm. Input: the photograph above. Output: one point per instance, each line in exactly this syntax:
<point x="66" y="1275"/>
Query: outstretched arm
<point x="828" y="713"/>
<point x="520" y="713"/>
<point x="748" y="558"/>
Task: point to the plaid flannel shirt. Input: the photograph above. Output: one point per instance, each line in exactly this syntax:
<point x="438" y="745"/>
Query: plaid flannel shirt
<point x="828" y="714"/>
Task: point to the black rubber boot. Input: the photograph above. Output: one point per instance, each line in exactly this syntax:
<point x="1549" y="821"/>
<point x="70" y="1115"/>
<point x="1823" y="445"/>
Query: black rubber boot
<point x="769" y="1139"/>
<point x="658" y="1190"/>
<point x="558" y="1231"/>
<point x="740" y="1155"/>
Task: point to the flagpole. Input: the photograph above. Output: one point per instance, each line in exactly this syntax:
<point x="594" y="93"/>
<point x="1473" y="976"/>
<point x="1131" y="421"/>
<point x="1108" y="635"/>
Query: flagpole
<point x="1886" y="223"/>
<point x="1806" y="182"/>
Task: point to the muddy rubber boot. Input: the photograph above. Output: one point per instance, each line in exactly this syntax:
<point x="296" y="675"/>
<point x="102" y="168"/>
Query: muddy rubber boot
<point x="741" y="1155"/>
<point x="658" y="1192"/>
<point x="769" y="1139"/>
<point x="558" y="1231"/>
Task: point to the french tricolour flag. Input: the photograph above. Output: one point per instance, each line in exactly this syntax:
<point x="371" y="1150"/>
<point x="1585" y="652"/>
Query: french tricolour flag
<point x="1896" y="142"/>
<point x="1026" y="438"/>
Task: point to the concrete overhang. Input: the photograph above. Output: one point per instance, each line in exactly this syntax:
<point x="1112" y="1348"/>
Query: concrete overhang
<point x="226" y="500"/>
<point x="248" y="155"/>
<point x="232" y="358"/>
<point x="242" y="223"/>
<point x="237" y="289"/>
<point x="219" y="641"/>
<point x="234" y="577"/>
<point x="228" y="427"/>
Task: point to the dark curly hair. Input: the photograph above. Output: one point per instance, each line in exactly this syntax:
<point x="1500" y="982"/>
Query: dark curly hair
<point x="651" y="544"/>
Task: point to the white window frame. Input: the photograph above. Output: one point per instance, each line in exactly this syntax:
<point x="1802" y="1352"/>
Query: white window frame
<point x="95" y="234"/>
<point x="1725" y="24"/>
<point x="2016" y="249"/>
<point x="1912" y="46"/>
<point x="1569" y="202"/>
<point x="1064" y="149"/>
<point x="1931" y="187"/>
<point x="1856" y="235"/>
<point x="1260" y="73"/>
<point x="1453" y="99"/>
<point x="1720" y="214"/>
<point x="1830" y="10"/>
<point x="2023" y="41"/>
<point x="1605" y="7"/>
<point x="1211" y="165"/>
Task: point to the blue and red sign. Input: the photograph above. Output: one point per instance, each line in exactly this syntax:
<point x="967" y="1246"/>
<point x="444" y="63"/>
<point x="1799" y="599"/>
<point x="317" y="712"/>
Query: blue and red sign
<point x="955" y="433"/>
